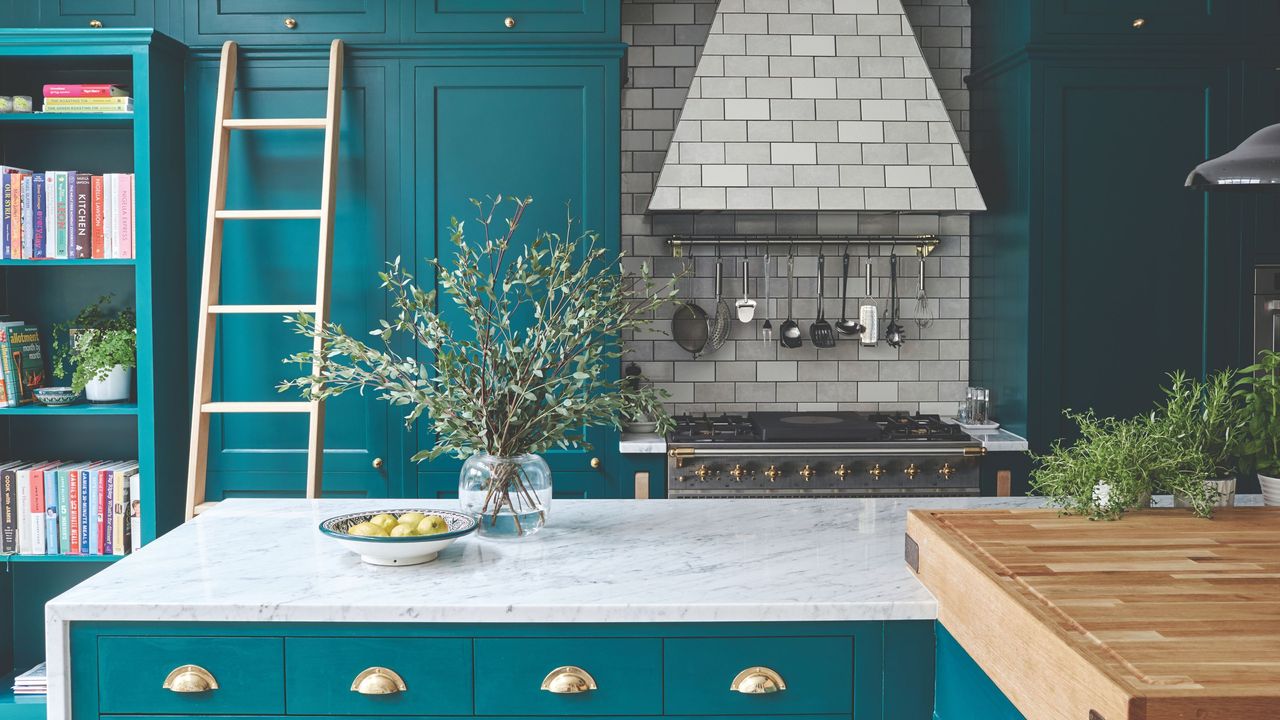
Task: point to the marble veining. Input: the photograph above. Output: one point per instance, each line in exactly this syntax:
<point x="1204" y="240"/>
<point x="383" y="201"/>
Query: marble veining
<point x="642" y="444"/>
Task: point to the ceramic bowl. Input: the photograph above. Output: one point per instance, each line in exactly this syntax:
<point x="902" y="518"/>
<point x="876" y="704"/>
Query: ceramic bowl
<point x="55" y="396"/>
<point x="411" y="550"/>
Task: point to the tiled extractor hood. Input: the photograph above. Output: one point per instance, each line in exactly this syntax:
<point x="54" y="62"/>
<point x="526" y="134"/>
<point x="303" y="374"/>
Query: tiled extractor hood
<point x="814" y="105"/>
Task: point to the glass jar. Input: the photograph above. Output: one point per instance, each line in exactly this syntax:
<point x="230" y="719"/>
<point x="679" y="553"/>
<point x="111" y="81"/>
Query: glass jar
<point x="509" y="496"/>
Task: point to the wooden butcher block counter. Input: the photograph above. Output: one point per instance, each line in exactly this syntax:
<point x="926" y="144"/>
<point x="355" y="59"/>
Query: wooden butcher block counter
<point x="1158" y="616"/>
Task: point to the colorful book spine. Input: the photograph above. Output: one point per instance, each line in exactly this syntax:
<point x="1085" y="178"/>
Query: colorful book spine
<point x="50" y="213"/>
<point x="87" y="481"/>
<point x="73" y="504"/>
<point x="60" y="235"/>
<point x="8" y="368"/>
<point x="15" y="220"/>
<point x="109" y="213"/>
<point x="35" y="496"/>
<point x="8" y="511"/>
<point x="55" y="90"/>
<point x="126" y="216"/>
<point x="28" y="217"/>
<point x="133" y="501"/>
<point x="6" y="214"/>
<point x="96" y="191"/>
<point x="83" y="218"/>
<point x="22" y="527"/>
<point x="28" y="361"/>
<point x="37" y="215"/>
<point x="93" y="478"/>
<point x="109" y="524"/>
<point x="51" y="510"/>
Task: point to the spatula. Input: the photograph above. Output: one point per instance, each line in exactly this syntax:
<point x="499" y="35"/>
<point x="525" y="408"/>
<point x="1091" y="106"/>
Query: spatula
<point x="746" y="306"/>
<point x="820" y="331"/>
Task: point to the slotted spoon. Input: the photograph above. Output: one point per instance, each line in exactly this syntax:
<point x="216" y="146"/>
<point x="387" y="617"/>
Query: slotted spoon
<point x="790" y="330"/>
<point x="820" y="331"/>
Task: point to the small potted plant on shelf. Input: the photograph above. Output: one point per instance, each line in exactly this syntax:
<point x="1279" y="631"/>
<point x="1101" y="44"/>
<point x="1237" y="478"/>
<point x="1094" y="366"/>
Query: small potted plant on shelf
<point x="101" y="346"/>
<point x="1207" y="416"/>
<point x="519" y="354"/>
<point x="1258" y="389"/>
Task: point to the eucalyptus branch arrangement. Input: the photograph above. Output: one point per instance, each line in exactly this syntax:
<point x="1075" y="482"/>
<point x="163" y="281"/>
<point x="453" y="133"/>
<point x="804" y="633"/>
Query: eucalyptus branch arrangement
<point x="531" y="360"/>
<point x="97" y="340"/>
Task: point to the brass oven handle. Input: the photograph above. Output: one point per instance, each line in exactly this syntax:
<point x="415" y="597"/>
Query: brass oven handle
<point x="758" y="681"/>
<point x="568" y="680"/>
<point x="378" y="681"/>
<point x="190" y="679"/>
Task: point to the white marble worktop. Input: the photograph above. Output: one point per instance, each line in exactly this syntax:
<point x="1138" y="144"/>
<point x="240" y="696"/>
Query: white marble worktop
<point x="642" y="444"/>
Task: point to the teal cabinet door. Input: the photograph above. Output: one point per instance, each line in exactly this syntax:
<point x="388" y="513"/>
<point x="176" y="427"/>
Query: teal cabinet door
<point x="275" y="262"/>
<point x="97" y="13"/>
<point x="133" y="672"/>
<point x="1139" y="19"/>
<point x="286" y="21"/>
<point x="510" y="672"/>
<point x="530" y="127"/>
<point x="321" y="675"/>
<point x="1118" y="143"/>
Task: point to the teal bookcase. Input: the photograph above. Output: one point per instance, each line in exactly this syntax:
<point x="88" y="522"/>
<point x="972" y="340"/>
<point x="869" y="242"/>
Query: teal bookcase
<point x="152" y="428"/>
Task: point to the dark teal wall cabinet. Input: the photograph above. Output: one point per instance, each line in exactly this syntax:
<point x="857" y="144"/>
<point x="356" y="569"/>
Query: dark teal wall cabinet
<point x="1095" y="272"/>
<point x="425" y="128"/>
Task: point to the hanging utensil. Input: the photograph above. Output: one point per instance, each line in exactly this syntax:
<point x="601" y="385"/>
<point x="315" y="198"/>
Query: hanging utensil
<point x="689" y="326"/>
<point x="847" y="326"/>
<point x="868" y="314"/>
<point x="746" y="306"/>
<point x="820" y="331"/>
<point x="790" y="330"/>
<point x="924" y="309"/>
<point x="893" y="334"/>
<point x="767" y="328"/>
<point x="720" y="324"/>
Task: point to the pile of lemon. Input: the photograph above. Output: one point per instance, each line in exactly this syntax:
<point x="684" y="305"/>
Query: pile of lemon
<point x="410" y="524"/>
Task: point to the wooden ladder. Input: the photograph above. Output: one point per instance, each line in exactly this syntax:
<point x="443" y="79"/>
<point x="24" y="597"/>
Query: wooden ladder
<point x="202" y="406"/>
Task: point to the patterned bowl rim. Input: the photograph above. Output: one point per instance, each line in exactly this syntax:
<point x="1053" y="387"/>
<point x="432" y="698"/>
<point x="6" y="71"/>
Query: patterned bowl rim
<point x="464" y="523"/>
<point x="54" y="390"/>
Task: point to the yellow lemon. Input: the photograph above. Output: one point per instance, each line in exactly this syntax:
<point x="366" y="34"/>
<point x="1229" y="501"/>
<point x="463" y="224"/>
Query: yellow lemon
<point x="410" y="518"/>
<point x="384" y="520"/>
<point x="402" y="530"/>
<point x="432" y="525"/>
<point x="367" y="529"/>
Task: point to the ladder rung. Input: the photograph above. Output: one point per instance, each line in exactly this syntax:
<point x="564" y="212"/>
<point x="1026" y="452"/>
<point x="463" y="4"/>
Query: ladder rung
<point x="267" y="214"/>
<point x="260" y="309"/>
<point x="274" y="123"/>
<point x="256" y="407"/>
<point x="204" y="507"/>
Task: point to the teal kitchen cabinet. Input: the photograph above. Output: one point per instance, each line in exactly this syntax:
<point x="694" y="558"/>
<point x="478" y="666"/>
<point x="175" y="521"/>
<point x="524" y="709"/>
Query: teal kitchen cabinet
<point x="962" y="691"/>
<point x="275" y="22"/>
<point x="512" y="20"/>
<point x="528" y="124"/>
<point x="99" y="13"/>
<point x="275" y="262"/>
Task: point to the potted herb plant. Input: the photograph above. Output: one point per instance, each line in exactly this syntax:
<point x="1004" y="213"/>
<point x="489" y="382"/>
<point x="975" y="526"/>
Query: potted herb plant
<point x="1207" y="416"/>
<point x="1258" y="389"/>
<point x="101" y="348"/>
<point x="516" y="359"/>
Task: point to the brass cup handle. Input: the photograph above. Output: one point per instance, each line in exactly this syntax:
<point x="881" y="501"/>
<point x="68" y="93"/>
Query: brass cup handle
<point x="378" y="681"/>
<point x="568" y="680"/>
<point x="758" y="681"/>
<point x="190" y="679"/>
<point x="95" y="24"/>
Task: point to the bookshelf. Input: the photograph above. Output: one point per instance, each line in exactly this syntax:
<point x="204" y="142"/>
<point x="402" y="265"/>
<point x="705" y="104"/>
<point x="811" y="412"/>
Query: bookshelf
<point x="153" y="428"/>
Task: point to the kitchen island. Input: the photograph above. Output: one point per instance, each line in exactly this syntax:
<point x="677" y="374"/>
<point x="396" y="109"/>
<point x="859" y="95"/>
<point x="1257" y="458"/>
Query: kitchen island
<point x="658" y="599"/>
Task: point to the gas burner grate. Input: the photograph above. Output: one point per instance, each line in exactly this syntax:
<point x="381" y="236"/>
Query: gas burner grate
<point x="917" y="427"/>
<point x="705" y="428"/>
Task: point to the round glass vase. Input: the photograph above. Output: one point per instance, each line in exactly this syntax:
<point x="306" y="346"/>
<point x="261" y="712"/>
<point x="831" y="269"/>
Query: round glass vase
<point x="510" y="496"/>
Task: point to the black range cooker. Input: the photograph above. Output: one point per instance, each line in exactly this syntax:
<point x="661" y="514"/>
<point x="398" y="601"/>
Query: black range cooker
<point x="843" y="454"/>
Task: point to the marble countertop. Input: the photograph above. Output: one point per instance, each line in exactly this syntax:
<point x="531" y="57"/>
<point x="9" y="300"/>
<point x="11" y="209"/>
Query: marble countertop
<point x="642" y="444"/>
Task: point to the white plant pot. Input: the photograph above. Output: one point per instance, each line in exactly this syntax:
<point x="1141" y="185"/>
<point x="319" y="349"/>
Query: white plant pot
<point x="1270" y="489"/>
<point x="115" y="387"/>
<point x="1226" y="488"/>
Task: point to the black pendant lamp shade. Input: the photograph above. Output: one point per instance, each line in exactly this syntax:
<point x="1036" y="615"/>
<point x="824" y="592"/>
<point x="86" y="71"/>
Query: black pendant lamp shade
<point x="1254" y="163"/>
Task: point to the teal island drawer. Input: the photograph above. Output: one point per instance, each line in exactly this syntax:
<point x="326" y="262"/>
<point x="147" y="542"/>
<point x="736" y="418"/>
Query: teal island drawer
<point x="378" y="676"/>
<point x="204" y="675"/>
<point x="611" y="676"/>
<point x="816" y="672"/>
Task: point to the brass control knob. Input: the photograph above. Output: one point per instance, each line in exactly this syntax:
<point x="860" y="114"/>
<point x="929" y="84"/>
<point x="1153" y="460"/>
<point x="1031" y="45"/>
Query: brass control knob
<point x="95" y="24"/>
<point x="568" y="680"/>
<point x="912" y="471"/>
<point x="703" y="472"/>
<point x="290" y="23"/>
<point x="190" y="679"/>
<point x="509" y="22"/>
<point x="807" y="472"/>
<point x="737" y="472"/>
<point x="946" y="471"/>
<point x="758" y="681"/>
<point x="378" y="681"/>
<point x="876" y="471"/>
<point x="843" y="472"/>
<point x="1139" y="23"/>
<point x="772" y="473"/>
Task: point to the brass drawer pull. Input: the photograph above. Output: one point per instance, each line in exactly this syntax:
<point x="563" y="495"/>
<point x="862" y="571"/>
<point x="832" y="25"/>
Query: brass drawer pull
<point x="290" y="23"/>
<point x="378" y="681"/>
<point x="758" y="681"/>
<point x="509" y="22"/>
<point x="568" y="680"/>
<point x="190" y="679"/>
<point x="95" y="24"/>
<point x="1139" y="23"/>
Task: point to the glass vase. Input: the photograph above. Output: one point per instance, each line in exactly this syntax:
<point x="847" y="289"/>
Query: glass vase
<point x="510" y="496"/>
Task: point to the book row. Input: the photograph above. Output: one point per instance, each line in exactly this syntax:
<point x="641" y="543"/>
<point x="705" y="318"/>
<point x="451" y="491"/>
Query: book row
<point x="64" y="214"/>
<point x="88" y="105"/>
<point x="21" y="362"/>
<point x="69" y="508"/>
